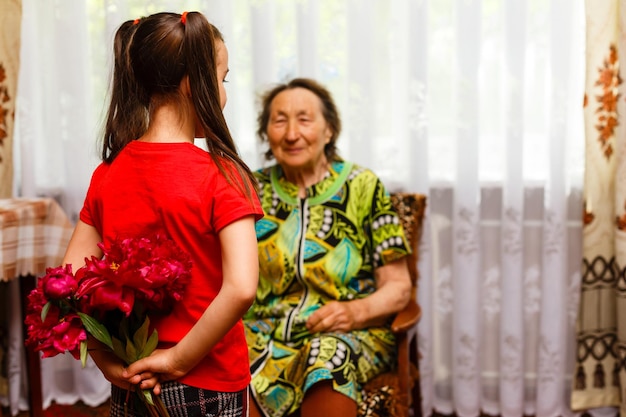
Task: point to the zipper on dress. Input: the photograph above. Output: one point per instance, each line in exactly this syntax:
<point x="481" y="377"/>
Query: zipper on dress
<point x="304" y="215"/>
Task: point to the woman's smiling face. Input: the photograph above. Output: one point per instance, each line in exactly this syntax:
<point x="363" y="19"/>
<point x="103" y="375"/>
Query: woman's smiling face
<point x="297" y="130"/>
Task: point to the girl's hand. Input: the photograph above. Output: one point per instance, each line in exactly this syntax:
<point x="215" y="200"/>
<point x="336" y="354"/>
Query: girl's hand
<point x="113" y="370"/>
<point x="161" y="365"/>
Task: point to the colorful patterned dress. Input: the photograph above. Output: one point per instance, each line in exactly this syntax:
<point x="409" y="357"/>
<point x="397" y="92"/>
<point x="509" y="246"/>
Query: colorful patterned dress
<point x="312" y="251"/>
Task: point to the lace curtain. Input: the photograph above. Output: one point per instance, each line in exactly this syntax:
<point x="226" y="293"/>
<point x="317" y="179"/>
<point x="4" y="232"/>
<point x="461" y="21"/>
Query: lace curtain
<point x="476" y="103"/>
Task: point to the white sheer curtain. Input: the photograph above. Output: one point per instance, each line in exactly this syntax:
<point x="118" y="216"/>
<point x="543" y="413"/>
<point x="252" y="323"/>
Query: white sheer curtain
<point x="476" y="103"/>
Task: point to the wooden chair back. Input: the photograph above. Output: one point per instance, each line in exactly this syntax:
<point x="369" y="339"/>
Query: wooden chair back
<point x="397" y="393"/>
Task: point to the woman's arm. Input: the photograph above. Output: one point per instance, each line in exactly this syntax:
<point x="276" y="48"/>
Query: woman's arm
<point x="393" y="291"/>
<point x="240" y="267"/>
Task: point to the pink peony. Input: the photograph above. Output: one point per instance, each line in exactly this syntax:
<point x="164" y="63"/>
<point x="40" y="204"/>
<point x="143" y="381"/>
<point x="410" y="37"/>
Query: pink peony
<point x="135" y="277"/>
<point x="59" y="282"/>
<point x="56" y="334"/>
<point x="68" y="334"/>
<point x="153" y="270"/>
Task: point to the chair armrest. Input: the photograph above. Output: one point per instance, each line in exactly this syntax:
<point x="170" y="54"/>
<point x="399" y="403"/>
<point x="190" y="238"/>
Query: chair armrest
<point x="407" y="318"/>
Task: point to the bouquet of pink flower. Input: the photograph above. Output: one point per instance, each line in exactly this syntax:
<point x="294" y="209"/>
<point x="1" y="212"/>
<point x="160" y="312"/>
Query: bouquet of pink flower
<point x="111" y="299"/>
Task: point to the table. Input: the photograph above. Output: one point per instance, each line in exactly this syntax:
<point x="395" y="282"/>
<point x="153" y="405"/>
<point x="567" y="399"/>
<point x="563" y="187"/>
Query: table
<point x="34" y="233"/>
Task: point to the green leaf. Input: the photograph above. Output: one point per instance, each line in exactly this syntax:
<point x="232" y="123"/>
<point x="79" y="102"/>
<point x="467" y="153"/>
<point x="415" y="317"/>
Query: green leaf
<point x="150" y="345"/>
<point x="44" y="311"/>
<point x="120" y="350"/>
<point x="96" y="329"/>
<point x="83" y="353"/>
<point x="123" y="329"/>
<point x="141" y="335"/>
<point x="148" y="395"/>
<point x="131" y="351"/>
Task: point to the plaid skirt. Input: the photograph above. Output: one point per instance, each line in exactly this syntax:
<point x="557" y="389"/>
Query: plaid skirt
<point x="182" y="400"/>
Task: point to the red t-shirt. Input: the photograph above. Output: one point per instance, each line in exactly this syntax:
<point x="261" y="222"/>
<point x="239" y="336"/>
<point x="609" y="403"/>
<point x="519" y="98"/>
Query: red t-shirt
<point x="176" y="188"/>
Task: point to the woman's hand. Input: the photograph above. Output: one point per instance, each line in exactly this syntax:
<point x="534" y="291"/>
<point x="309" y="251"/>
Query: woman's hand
<point x="392" y="295"/>
<point x="335" y="316"/>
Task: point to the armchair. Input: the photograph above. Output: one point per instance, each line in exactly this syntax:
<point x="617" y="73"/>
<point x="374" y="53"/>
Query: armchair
<point x="397" y="393"/>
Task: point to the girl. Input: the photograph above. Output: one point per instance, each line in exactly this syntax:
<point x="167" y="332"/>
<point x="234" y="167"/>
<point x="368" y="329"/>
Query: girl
<point x="168" y="88"/>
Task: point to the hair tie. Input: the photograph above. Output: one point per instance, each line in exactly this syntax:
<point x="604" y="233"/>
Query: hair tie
<point x="136" y="21"/>
<point x="183" y="18"/>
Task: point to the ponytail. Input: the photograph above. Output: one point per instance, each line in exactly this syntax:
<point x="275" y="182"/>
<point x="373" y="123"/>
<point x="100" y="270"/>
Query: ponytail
<point x="127" y="116"/>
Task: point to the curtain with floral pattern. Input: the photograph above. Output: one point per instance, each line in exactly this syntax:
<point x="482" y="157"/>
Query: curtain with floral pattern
<point x="600" y="375"/>
<point x="10" y="20"/>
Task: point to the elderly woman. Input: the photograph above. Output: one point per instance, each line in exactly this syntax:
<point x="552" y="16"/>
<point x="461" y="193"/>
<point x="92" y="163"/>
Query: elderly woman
<point x="332" y="264"/>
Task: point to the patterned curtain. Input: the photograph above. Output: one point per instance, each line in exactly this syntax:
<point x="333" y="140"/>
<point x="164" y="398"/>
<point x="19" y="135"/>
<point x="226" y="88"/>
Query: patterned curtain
<point x="601" y="325"/>
<point x="10" y="18"/>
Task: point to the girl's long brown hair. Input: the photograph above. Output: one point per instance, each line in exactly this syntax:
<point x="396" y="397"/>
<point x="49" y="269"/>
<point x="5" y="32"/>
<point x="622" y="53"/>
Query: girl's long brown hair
<point x="152" y="55"/>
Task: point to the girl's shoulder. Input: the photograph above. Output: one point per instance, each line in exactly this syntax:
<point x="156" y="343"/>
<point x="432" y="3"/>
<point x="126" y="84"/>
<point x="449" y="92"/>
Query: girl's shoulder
<point x="101" y="170"/>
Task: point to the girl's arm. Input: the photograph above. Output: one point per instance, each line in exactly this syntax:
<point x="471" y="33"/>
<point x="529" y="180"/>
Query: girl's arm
<point x="84" y="244"/>
<point x="240" y="268"/>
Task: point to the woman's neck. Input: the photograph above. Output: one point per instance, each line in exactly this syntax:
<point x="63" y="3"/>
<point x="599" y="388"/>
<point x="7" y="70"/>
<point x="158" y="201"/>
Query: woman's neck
<point x="306" y="177"/>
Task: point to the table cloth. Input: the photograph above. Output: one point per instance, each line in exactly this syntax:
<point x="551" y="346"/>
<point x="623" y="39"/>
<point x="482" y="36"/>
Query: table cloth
<point x="34" y="233"/>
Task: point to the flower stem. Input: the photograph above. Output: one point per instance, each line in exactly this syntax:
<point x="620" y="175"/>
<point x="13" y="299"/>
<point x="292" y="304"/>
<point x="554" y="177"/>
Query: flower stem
<point x="157" y="408"/>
